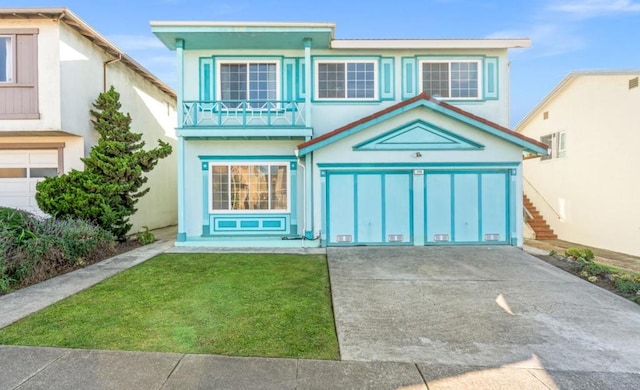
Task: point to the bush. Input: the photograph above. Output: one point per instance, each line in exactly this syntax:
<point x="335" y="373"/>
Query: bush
<point x="627" y="284"/>
<point x="33" y="249"/>
<point x="107" y="191"/>
<point x="145" y="237"/>
<point x="595" y="269"/>
<point x="583" y="255"/>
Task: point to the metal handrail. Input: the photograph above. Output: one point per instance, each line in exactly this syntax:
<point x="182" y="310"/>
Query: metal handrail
<point x="542" y="197"/>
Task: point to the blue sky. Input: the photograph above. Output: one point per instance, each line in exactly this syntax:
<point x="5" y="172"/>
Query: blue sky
<point x="566" y="35"/>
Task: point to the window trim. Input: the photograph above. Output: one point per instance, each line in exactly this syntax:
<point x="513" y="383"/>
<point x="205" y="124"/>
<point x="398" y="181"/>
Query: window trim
<point x="480" y="87"/>
<point x="316" y="83"/>
<point x="13" y="55"/>
<point x="247" y="62"/>
<point x="554" y="147"/>
<point x="250" y="163"/>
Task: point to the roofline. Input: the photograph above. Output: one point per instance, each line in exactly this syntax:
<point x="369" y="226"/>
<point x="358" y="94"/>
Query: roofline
<point x="566" y="81"/>
<point x="72" y="20"/>
<point x="196" y="23"/>
<point x="430" y="43"/>
<point x="307" y="147"/>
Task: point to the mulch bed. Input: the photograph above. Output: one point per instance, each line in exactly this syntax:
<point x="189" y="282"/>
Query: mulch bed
<point x="574" y="268"/>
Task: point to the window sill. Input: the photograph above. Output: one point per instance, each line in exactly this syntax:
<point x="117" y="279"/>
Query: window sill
<point x="19" y="116"/>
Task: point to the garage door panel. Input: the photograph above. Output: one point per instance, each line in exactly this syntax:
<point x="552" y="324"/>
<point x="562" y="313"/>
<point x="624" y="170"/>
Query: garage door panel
<point x="369" y="219"/>
<point x="438" y="207"/>
<point x="494" y="207"/>
<point x="466" y="217"/>
<point x="44" y="157"/>
<point x="341" y="207"/>
<point x="397" y="208"/>
<point x="20" y="171"/>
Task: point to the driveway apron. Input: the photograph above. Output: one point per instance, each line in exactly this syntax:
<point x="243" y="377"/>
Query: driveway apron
<point x="477" y="306"/>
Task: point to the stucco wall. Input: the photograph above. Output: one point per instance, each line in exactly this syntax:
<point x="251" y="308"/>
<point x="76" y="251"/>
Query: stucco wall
<point x="593" y="189"/>
<point x="193" y="172"/>
<point x="328" y="116"/>
<point x="48" y="76"/>
<point x="496" y="150"/>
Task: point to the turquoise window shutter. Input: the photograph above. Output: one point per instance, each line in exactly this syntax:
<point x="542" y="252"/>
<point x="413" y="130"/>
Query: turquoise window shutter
<point x="490" y="78"/>
<point x="387" y="85"/>
<point x="409" y="78"/>
<point x="302" y="94"/>
<point x="289" y="79"/>
<point x="206" y="79"/>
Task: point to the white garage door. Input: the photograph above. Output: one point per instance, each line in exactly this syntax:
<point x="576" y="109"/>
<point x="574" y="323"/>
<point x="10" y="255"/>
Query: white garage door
<point x="20" y="170"/>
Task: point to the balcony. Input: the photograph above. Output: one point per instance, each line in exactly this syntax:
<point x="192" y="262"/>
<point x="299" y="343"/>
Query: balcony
<point x="243" y="113"/>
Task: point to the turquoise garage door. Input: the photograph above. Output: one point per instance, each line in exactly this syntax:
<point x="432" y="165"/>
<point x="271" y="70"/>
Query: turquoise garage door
<point x="369" y="208"/>
<point x="466" y="207"/>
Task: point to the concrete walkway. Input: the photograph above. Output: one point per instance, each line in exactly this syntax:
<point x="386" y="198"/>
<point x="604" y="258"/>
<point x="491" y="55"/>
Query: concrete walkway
<point x="56" y="368"/>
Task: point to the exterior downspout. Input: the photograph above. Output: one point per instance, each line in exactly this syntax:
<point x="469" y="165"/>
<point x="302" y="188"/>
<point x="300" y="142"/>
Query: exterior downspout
<point x="104" y="71"/>
<point x="308" y="177"/>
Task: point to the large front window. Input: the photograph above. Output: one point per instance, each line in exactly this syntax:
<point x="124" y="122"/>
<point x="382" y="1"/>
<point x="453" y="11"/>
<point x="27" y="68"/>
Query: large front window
<point x="451" y="80"/>
<point x="254" y="82"/>
<point x="346" y="80"/>
<point x="249" y="187"/>
<point x="6" y="59"/>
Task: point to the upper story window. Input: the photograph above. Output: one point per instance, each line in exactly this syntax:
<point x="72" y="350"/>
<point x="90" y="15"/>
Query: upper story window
<point x="451" y="79"/>
<point x="6" y="59"/>
<point x="557" y="143"/>
<point x="356" y="80"/>
<point x="251" y="83"/>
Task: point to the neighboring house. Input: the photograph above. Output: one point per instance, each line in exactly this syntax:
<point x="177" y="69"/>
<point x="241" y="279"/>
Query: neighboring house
<point x="587" y="188"/>
<point x="52" y="68"/>
<point x="289" y="137"/>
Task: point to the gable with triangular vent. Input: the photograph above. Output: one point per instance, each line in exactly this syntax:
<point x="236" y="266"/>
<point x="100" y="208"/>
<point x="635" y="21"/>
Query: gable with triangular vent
<point x="418" y="135"/>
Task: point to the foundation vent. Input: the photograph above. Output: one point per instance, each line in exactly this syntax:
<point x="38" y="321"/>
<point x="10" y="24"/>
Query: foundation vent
<point x="344" y="238"/>
<point x="492" y="237"/>
<point x="395" y="237"/>
<point x="440" y="237"/>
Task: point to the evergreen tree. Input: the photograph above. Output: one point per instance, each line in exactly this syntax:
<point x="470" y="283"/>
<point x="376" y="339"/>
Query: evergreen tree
<point x="107" y="191"/>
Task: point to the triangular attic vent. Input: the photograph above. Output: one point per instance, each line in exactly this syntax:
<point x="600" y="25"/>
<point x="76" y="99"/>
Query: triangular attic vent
<point x="418" y="135"/>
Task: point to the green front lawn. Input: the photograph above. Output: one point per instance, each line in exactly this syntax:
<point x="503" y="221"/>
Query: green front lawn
<point x="231" y="304"/>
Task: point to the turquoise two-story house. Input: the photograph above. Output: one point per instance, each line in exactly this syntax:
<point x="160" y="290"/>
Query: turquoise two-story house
<point x="290" y="137"/>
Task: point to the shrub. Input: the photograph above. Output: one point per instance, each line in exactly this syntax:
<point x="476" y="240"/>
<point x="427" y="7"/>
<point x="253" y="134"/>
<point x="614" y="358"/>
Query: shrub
<point x="145" y="237"/>
<point x="107" y="191"/>
<point x="595" y="269"/>
<point x="627" y="284"/>
<point x="51" y="247"/>
<point x="583" y="255"/>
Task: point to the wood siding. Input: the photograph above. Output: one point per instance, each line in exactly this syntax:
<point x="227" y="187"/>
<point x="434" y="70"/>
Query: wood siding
<point x="19" y="100"/>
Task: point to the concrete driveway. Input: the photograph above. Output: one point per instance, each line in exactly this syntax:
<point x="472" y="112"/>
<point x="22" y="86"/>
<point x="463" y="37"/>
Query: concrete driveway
<point x="460" y="308"/>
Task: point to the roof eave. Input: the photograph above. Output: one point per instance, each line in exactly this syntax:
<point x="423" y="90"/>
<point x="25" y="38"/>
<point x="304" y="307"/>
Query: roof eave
<point x="72" y="20"/>
<point x="508" y="43"/>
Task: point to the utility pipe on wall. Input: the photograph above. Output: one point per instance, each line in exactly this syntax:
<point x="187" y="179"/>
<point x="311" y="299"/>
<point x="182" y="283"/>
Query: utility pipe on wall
<point x="104" y="71"/>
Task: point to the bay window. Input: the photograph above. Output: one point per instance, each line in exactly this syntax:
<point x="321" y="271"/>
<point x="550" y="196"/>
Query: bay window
<point x="260" y="187"/>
